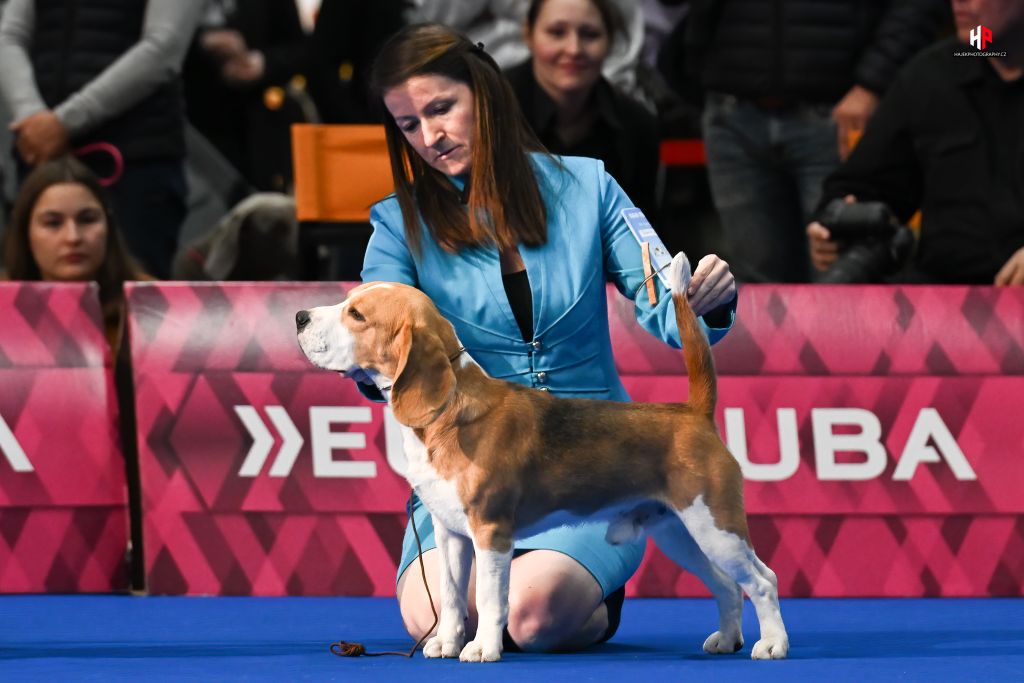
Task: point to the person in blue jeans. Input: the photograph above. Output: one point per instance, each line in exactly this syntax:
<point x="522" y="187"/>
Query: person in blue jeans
<point x="788" y="84"/>
<point x="515" y="246"/>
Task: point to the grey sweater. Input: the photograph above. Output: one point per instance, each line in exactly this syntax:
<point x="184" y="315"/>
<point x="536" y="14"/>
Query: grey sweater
<point x="166" y="34"/>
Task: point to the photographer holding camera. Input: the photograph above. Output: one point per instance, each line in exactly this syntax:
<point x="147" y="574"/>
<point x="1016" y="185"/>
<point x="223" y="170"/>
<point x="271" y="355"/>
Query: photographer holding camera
<point x="948" y="139"/>
<point x="871" y="244"/>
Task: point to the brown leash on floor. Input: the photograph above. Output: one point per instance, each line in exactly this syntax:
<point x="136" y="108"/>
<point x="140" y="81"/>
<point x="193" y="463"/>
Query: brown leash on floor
<point x="344" y="648"/>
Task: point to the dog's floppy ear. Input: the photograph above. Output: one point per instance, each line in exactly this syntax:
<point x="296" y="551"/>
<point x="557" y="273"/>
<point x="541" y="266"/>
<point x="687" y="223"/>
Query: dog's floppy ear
<point x="223" y="252"/>
<point x="424" y="380"/>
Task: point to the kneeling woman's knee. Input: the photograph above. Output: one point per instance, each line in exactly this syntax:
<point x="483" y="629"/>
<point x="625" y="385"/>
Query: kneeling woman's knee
<point x="416" y="615"/>
<point x="538" y="624"/>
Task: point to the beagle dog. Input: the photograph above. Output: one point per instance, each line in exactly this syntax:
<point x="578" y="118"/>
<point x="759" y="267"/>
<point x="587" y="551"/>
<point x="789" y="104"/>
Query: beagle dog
<point x="494" y="461"/>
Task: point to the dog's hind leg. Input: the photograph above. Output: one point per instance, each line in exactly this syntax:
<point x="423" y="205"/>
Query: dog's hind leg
<point x="734" y="555"/>
<point x="675" y="541"/>
<point x="456" y="555"/>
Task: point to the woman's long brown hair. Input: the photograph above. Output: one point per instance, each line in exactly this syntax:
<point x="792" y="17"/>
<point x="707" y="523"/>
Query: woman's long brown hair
<point x="117" y="267"/>
<point x="505" y="206"/>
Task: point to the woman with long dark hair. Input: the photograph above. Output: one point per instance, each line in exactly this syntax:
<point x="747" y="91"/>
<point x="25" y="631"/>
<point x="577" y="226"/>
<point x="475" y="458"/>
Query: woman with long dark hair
<point x="63" y="229"/>
<point x="514" y="246"/>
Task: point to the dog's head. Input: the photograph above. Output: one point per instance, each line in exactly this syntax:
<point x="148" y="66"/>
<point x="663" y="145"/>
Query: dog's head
<point x="392" y="331"/>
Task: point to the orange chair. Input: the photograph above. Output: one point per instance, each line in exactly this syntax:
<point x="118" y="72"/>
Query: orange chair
<point x="340" y="171"/>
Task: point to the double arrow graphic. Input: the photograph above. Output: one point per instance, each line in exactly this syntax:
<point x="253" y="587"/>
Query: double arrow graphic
<point x="324" y="442"/>
<point x="263" y="441"/>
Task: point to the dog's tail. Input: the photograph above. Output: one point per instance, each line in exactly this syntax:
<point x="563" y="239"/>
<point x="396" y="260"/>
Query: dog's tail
<point x="699" y="363"/>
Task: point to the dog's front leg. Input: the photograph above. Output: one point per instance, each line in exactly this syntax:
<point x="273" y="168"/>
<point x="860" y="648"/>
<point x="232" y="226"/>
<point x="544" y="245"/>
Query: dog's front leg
<point x="456" y="555"/>
<point x="492" y="570"/>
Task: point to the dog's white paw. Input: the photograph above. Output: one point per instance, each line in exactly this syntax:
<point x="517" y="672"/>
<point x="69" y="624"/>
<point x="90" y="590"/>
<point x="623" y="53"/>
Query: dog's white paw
<point x="476" y="651"/>
<point x="440" y="647"/>
<point x="720" y="644"/>
<point x="679" y="273"/>
<point x="771" y="648"/>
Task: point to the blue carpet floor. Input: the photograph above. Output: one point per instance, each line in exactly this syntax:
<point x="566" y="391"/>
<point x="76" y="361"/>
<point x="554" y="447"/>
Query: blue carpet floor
<point x="113" y="638"/>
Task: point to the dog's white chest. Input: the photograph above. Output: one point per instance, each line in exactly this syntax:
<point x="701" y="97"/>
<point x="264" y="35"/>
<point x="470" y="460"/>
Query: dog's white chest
<point x="438" y="494"/>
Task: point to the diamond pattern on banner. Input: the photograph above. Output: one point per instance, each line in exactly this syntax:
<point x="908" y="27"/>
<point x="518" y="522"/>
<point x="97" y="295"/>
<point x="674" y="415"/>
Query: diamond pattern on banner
<point x="205" y="356"/>
<point x="200" y="327"/>
<point x="51" y="325"/>
<point x="825" y="557"/>
<point x="63" y="517"/>
<point x="834" y="330"/>
<point x="59" y="419"/>
<point x="273" y="553"/>
<point x="63" y="550"/>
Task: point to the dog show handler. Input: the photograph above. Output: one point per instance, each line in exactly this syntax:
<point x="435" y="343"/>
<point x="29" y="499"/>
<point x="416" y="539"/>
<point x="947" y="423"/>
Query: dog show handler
<point x="514" y="246"/>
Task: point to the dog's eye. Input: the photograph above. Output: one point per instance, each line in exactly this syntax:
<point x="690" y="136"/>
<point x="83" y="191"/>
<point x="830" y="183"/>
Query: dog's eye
<point x="356" y="315"/>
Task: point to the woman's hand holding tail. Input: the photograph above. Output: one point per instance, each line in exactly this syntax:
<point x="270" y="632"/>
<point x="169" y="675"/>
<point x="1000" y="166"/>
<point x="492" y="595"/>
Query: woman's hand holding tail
<point x="711" y="286"/>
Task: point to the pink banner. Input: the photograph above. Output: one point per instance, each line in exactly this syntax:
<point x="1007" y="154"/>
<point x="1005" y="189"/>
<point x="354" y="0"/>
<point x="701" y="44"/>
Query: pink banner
<point x="843" y="330"/>
<point x="62" y="476"/>
<point x="260" y="475"/>
<point x="868" y="445"/>
<point x="862" y="406"/>
<point x="846" y="556"/>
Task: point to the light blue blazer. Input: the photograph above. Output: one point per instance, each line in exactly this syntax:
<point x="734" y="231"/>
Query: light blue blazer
<point x="588" y="241"/>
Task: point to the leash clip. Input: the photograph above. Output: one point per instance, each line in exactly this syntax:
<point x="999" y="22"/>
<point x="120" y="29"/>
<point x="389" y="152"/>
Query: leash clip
<point x="646" y="282"/>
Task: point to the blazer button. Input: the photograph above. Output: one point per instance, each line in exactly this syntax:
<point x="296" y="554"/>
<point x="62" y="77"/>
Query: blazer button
<point x="536" y="344"/>
<point x="542" y="377"/>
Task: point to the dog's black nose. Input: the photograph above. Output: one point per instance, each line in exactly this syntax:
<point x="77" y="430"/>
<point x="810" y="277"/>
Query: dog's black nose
<point x="301" y="320"/>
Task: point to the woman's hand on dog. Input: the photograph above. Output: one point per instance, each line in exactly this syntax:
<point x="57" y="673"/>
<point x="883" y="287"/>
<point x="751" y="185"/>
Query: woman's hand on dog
<point x="711" y="286"/>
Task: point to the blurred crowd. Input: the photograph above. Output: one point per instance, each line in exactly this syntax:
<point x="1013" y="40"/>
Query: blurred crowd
<point x="845" y="140"/>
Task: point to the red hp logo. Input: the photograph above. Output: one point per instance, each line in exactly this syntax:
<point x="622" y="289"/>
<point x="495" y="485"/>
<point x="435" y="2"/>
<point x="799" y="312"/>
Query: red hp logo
<point x="981" y="37"/>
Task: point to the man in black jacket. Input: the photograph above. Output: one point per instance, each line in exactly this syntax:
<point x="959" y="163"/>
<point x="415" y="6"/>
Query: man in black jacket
<point x="788" y="82"/>
<point x="249" y="50"/>
<point x="948" y="139"/>
<point x="245" y="53"/>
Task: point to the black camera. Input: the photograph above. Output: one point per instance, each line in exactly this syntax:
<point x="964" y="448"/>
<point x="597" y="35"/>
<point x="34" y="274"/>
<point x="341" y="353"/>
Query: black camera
<point x="873" y="245"/>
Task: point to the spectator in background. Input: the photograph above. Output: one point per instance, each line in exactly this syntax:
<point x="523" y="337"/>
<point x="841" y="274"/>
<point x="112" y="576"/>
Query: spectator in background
<point x="572" y="108"/>
<point x="498" y="24"/>
<point x="346" y="38"/>
<point x="102" y="76"/>
<point x="63" y="230"/>
<point x="236" y="77"/>
<point x="948" y="139"/>
<point x="787" y="82"/>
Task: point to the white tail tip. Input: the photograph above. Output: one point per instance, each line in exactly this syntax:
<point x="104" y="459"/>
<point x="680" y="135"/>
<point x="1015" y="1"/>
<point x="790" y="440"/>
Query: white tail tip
<point x="679" y="274"/>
